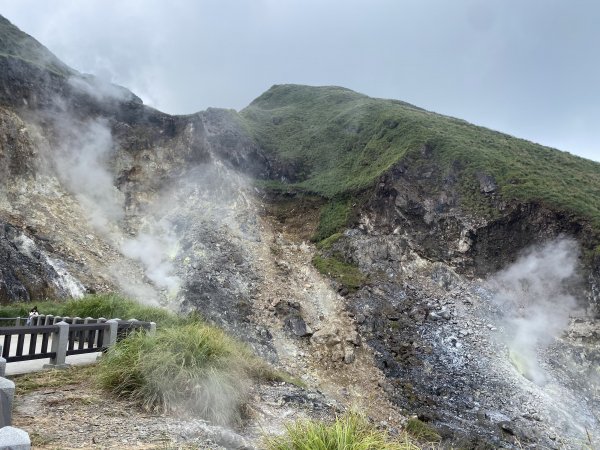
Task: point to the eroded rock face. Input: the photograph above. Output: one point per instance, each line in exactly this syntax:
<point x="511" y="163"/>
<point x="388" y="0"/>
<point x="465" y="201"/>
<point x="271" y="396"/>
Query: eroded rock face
<point x="441" y="339"/>
<point x="27" y="272"/>
<point x="438" y="336"/>
<point x="422" y="206"/>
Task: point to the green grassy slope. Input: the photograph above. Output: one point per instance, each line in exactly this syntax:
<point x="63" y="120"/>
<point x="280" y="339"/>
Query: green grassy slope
<point x="343" y="141"/>
<point x="16" y="44"/>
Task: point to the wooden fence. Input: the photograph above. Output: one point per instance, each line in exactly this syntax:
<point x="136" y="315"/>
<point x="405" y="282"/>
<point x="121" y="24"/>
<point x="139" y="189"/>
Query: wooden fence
<point x="57" y="337"/>
<point x="54" y="338"/>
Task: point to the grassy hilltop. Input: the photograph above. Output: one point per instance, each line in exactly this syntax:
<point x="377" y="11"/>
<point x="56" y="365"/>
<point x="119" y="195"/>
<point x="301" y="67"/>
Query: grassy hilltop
<point x="340" y="142"/>
<point x="16" y="44"/>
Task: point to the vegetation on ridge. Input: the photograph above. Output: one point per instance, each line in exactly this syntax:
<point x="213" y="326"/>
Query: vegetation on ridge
<point x="16" y="44"/>
<point x="338" y="143"/>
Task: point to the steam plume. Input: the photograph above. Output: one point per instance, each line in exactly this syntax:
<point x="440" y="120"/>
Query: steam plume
<point x="533" y="295"/>
<point x="82" y="163"/>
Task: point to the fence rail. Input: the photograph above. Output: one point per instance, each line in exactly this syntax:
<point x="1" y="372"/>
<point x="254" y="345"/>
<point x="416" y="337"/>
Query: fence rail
<point x="21" y="333"/>
<point x="57" y="337"/>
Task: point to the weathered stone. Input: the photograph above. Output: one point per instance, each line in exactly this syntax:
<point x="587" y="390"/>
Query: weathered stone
<point x="349" y="355"/>
<point x="487" y="183"/>
<point x="7" y="393"/>
<point x="12" y="438"/>
<point x="353" y="338"/>
<point x="297" y="326"/>
<point x="325" y="336"/>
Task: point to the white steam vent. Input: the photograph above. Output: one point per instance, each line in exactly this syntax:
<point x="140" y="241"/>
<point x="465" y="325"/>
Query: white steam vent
<point x="533" y="296"/>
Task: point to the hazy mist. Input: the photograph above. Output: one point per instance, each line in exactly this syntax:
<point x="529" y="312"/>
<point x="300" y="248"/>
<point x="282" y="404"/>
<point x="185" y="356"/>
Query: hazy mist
<point x="526" y="68"/>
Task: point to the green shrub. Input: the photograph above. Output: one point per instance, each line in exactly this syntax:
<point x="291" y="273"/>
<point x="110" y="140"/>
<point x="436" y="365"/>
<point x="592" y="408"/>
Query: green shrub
<point x="349" y="432"/>
<point x="193" y="368"/>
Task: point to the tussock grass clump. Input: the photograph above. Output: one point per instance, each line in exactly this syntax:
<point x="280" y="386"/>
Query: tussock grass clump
<point x="192" y="368"/>
<point x="349" y="432"/>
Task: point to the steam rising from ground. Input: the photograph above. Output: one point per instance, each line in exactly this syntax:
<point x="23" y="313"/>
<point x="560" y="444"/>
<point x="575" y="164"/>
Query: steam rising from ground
<point x="533" y="295"/>
<point x="82" y="162"/>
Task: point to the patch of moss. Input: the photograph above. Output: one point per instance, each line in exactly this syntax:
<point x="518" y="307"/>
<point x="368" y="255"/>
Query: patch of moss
<point x="421" y="430"/>
<point x="326" y="243"/>
<point x="334" y="217"/>
<point x="347" y="274"/>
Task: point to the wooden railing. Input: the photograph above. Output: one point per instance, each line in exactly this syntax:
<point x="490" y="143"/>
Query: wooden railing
<point x="21" y="333"/>
<point x="54" y="338"/>
<point x="58" y="337"/>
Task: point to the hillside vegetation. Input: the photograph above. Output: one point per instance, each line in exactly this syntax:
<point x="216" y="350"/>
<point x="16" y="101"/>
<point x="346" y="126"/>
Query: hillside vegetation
<point x="339" y="143"/>
<point x="16" y="44"/>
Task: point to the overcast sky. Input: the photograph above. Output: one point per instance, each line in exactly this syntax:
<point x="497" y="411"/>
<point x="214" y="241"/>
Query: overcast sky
<point x="530" y="68"/>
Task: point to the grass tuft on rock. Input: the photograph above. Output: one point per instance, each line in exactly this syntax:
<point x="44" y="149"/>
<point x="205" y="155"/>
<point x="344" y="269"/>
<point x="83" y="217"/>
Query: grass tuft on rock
<point x="348" y="432"/>
<point x="346" y="274"/>
<point x="421" y="431"/>
<point x="193" y="368"/>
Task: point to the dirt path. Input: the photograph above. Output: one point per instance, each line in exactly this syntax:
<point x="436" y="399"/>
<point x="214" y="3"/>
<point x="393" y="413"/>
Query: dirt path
<point x="64" y="409"/>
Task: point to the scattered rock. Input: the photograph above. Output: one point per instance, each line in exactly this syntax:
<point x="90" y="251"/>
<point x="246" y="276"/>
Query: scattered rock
<point x="297" y="326"/>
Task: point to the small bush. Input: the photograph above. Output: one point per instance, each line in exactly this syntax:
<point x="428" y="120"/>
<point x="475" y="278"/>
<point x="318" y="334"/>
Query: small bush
<point x="349" y="432"/>
<point x="193" y="368"/>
